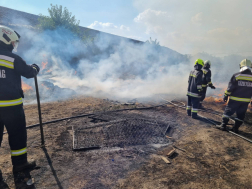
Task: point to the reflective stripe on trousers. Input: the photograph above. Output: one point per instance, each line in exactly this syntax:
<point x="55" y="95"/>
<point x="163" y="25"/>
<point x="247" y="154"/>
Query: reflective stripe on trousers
<point x="226" y="116"/>
<point x="18" y="152"/>
<point x="6" y="103"/>
<point x="195" y="110"/>
<point x="238" y="120"/>
<point x="193" y="94"/>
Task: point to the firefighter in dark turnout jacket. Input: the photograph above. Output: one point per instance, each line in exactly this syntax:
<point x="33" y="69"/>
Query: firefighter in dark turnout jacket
<point x="194" y="88"/>
<point x="206" y="81"/>
<point x="239" y="92"/>
<point x="12" y="116"/>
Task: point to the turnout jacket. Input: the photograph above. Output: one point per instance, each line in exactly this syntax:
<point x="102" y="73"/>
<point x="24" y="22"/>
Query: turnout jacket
<point x="240" y="86"/>
<point x="195" y="82"/>
<point x="12" y="67"/>
<point x="206" y="79"/>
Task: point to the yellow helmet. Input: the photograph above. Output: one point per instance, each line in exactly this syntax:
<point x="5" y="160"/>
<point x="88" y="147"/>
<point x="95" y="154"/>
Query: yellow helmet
<point x="207" y="62"/>
<point x="245" y="62"/>
<point x="200" y="62"/>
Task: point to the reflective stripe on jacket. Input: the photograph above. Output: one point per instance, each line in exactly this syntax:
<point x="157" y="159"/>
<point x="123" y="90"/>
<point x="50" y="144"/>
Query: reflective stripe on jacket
<point x="195" y="83"/>
<point x="240" y="86"/>
<point x="6" y="61"/>
<point x="240" y="99"/>
<point x="12" y="67"/>
<point x="206" y="79"/>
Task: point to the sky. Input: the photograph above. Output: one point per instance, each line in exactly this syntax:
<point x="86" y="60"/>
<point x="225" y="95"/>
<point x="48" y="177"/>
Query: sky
<point x="217" y="27"/>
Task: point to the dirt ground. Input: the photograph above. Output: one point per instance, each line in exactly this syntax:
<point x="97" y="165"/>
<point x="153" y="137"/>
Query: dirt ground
<point x="206" y="158"/>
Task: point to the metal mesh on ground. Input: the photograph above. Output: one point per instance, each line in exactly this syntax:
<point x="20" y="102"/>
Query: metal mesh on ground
<point x="88" y="138"/>
<point x="120" y="133"/>
<point x="110" y="116"/>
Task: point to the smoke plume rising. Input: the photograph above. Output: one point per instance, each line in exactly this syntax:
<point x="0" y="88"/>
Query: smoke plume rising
<point x="112" y="68"/>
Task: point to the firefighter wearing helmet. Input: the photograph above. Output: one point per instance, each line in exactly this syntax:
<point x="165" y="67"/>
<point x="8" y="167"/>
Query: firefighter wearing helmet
<point x="206" y="81"/>
<point x="194" y="89"/>
<point x="12" y="116"/>
<point x="239" y="92"/>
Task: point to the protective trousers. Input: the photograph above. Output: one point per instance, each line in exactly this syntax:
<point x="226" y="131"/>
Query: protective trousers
<point x="237" y="107"/>
<point x="192" y="105"/>
<point x="203" y="94"/>
<point x="13" y="118"/>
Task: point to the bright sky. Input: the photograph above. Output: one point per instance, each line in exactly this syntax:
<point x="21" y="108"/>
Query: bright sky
<point x="187" y="26"/>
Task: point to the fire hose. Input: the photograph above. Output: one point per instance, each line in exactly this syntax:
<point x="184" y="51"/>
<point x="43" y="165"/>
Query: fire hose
<point x="210" y="121"/>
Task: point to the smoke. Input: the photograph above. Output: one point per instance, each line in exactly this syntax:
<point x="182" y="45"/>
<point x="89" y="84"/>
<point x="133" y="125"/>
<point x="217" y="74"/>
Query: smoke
<point x="113" y="67"/>
<point x="222" y="69"/>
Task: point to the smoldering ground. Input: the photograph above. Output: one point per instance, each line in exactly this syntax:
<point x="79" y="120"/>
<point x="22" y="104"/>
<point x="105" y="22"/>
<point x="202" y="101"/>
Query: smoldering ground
<point x="112" y="67"/>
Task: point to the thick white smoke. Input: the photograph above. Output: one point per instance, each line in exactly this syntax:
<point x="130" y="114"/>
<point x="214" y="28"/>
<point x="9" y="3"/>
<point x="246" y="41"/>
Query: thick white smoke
<point x="124" y="70"/>
<point x="114" y="68"/>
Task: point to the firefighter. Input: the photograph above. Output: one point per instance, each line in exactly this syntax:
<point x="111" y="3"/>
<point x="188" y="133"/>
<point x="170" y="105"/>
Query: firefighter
<point x="239" y="92"/>
<point x="12" y="116"/>
<point x="206" y="81"/>
<point x="194" y="89"/>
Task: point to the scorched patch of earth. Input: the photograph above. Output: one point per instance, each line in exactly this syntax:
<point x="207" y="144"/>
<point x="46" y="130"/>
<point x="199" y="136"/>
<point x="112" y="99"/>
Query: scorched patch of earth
<point x="206" y="158"/>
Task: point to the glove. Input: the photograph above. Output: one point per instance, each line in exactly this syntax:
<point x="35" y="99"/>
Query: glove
<point x="225" y="98"/>
<point x="36" y="67"/>
<point x="212" y="87"/>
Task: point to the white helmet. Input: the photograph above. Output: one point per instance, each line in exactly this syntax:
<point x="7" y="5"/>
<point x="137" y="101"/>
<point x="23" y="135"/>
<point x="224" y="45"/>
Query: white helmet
<point x="9" y="36"/>
<point x="246" y="63"/>
<point x="207" y="62"/>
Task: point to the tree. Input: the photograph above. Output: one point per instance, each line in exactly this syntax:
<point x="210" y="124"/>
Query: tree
<point x="152" y="42"/>
<point x="59" y="18"/>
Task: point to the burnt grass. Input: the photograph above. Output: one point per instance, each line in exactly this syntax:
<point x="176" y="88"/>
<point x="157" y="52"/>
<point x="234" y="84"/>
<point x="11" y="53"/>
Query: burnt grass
<point x="206" y="158"/>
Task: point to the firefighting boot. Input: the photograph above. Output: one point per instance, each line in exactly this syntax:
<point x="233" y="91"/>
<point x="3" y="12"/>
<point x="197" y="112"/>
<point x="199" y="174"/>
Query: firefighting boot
<point x="200" y="106"/>
<point x="23" y="180"/>
<point x="223" y="125"/>
<point x="3" y="185"/>
<point x="236" y="126"/>
<point x="189" y="112"/>
<point x="28" y="166"/>
<point x="195" y="115"/>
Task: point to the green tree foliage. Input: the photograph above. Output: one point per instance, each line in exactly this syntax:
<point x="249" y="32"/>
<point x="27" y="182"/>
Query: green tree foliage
<point x="59" y="17"/>
<point x="155" y="43"/>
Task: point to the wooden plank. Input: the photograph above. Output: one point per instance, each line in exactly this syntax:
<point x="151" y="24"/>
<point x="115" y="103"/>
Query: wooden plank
<point x="165" y="159"/>
<point x="170" y="153"/>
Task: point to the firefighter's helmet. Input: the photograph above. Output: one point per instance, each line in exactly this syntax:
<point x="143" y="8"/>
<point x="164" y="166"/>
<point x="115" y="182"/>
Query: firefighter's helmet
<point x="245" y="62"/>
<point x="207" y="62"/>
<point x="9" y="37"/>
<point x="200" y="62"/>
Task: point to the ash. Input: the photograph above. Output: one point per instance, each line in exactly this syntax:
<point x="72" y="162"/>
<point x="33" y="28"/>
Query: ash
<point x="120" y="130"/>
